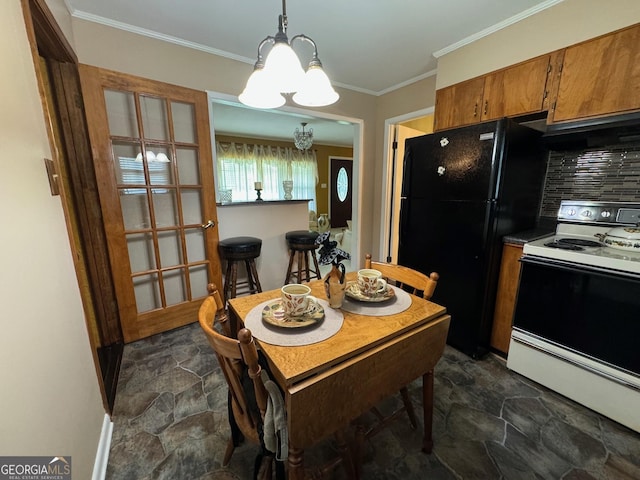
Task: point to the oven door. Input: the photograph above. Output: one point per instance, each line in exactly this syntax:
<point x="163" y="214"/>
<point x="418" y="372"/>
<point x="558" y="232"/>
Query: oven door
<point x="588" y="310"/>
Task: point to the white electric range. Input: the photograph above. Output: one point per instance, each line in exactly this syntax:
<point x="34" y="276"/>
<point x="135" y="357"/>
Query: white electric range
<point x="576" y="326"/>
<point x="575" y="238"/>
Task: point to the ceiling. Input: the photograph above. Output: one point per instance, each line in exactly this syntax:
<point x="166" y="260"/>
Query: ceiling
<point x="355" y="38"/>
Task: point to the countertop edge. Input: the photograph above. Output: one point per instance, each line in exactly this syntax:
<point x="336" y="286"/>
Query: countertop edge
<point x="261" y="203"/>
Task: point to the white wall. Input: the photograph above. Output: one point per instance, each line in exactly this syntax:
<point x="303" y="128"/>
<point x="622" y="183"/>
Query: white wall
<point x="49" y="396"/>
<point x="268" y="222"/>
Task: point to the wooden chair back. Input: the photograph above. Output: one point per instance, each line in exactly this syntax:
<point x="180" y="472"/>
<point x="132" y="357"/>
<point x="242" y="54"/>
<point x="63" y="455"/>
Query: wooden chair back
<point x="404" y="277"/>
<point x="236" y="357"/>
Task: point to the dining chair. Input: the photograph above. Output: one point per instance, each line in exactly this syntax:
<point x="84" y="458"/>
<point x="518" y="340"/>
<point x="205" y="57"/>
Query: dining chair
<point x="248" y="395"/>
<point x="238" y="359"/>
<point x="418" y="284"/>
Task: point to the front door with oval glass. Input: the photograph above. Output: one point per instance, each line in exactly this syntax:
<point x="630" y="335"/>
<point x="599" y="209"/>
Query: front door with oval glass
<point x="152" y="156"/>
<point x="341" y="170"/>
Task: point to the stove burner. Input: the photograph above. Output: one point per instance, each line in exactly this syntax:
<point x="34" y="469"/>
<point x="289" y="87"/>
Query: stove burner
<point x="563" y="245"/>
<point x="579" y="241"/>
<point x="576" y="244"/>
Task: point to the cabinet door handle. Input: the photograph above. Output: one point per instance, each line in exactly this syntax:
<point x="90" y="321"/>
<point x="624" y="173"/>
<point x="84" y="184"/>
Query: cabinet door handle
<point x="486" y="106"/>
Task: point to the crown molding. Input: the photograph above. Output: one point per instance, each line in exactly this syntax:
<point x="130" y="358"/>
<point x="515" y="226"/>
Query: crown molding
<point x="498" y="26"/>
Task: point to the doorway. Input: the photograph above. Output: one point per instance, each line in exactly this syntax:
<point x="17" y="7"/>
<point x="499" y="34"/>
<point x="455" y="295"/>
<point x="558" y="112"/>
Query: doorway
<point x="398" y="129"/>
<point x="57" y="71"/>
<point x="267" y="121"/>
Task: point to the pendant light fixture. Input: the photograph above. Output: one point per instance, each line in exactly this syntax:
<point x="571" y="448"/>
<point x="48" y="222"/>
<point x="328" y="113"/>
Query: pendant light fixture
<point x="301" y="139"/>
<point x="281" y="73"/>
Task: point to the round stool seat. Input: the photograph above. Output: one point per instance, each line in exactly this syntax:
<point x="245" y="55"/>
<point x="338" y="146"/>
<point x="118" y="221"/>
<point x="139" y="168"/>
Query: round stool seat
<point x="236" y="250"/>
<point x="239" y="248"/>
<point x="302" y="244"/>
<point x="301" y="237"/>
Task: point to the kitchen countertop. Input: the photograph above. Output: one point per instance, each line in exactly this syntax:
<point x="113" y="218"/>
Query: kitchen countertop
<point x="544" y="228"/>
<point x="263" y="202"/>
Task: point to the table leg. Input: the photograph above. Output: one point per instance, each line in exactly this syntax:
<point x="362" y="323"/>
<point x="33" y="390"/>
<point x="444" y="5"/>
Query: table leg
<point x="296" y="463"/>
<point x="427" y="404"/>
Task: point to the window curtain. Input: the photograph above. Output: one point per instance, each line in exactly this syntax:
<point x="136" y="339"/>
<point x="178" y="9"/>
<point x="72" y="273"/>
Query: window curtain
<point x="240" y="165"/>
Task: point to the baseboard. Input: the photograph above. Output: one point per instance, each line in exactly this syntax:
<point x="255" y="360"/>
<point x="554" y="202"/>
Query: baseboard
<point x="102" y="455"/>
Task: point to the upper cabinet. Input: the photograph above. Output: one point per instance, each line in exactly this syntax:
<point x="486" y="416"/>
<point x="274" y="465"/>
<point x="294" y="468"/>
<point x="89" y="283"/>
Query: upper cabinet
<point x="590" y="79"/>
<point x="600" y="77"/>
<point x="459" y="104"/>
<point x="517" y="90"/>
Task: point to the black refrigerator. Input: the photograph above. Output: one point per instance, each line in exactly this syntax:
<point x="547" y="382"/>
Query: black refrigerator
<point x="463" y="190"/>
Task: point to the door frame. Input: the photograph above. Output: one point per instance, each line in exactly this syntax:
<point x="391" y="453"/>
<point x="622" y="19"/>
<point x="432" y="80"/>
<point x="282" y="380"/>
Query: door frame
<point x="73" y="163"/>
<point x="358" y="149"/>
<point x="388" y="167"/>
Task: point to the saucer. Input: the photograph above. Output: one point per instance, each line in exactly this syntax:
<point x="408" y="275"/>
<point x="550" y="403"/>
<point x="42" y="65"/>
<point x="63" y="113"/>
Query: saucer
<point x="353" y="291"/>
<point x="273" y="314"/>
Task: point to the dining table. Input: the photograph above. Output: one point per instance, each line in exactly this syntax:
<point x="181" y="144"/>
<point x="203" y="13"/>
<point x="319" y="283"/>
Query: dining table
<point x="359" y="354"/>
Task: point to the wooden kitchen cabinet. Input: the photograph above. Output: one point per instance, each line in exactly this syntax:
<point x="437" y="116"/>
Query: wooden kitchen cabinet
<point x="520" y="89"/>
<point x="517" y="90"/>
<point x="506" y="297"/>
<point x="459" y="104"/>
<point x="600" y="77"/>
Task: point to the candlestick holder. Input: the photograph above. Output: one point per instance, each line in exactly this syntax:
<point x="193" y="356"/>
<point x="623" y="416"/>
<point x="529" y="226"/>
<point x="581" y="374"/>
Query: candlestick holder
<point x="258" y="190"/>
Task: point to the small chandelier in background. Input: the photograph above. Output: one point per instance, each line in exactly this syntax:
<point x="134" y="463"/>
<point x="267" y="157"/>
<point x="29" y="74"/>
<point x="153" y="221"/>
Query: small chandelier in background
<point x="281" y="73"/>
<point x="301" y="139"/>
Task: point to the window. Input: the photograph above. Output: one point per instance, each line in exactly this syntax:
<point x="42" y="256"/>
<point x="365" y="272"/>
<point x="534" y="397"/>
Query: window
<point x="240" y="165"/>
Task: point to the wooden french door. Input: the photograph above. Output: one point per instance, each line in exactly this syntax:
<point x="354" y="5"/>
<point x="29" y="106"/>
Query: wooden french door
<point x="152" y="153"/>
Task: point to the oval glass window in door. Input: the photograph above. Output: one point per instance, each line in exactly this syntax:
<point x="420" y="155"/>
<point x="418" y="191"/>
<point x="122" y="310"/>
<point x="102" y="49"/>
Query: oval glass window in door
<point x="342" y="184"/>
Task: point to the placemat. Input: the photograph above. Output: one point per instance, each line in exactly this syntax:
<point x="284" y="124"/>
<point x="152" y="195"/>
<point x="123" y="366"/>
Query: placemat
<point x="294" y="337"/>
<point x="399" y="303"/>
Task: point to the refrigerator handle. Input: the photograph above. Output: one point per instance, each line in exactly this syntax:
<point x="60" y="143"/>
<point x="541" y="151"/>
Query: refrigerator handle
<point x="406" y="168"/>
<point x="404" y="217"/>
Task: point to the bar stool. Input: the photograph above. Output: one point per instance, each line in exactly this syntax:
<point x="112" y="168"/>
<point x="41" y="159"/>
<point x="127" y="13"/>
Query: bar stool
<point x="301" y="244"/>
<point x="235" y="250"/>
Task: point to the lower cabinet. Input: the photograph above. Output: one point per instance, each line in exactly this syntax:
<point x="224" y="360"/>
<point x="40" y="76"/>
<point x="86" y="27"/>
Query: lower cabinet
<point x="506" y="297"/>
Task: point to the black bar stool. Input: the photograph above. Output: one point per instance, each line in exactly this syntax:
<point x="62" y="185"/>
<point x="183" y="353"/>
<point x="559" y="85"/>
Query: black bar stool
<point x="237" y="249"/>
<point x="301" y="244"/>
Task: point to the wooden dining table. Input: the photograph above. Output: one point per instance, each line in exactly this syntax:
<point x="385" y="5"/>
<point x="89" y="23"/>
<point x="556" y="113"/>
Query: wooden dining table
<point x="328" y="384"/>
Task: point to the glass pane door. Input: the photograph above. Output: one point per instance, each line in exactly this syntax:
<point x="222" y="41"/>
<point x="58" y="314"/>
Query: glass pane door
<point x="153" y="162"/>
<point x="160" y="210"/>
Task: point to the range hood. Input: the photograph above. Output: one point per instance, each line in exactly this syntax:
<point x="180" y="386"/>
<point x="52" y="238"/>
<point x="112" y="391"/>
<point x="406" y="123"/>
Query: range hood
<point x="594" y="132"/>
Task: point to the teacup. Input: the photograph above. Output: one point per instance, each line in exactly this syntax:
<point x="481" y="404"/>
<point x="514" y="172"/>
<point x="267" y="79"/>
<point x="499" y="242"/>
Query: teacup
<point x="370" y="282"/>
<point x="296" y="299"/>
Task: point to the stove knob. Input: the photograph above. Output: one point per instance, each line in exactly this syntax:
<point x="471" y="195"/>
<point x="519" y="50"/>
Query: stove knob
<point x="605" y="214"/>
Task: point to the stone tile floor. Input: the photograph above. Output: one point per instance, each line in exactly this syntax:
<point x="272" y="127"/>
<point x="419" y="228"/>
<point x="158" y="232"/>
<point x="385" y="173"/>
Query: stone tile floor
<point x="170" y="422"/>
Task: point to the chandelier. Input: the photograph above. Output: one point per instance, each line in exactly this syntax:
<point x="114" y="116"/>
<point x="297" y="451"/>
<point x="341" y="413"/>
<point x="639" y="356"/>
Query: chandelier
<point x="301" y="139"/>
<point x="281" y="73"/>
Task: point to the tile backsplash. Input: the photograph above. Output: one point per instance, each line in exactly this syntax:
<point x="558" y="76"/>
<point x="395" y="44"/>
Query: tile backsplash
<point x="607" y="174"/>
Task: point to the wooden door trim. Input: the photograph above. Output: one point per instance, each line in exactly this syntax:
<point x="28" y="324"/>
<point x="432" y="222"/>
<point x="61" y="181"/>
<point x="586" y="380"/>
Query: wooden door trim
<point x="78" y="189"/>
